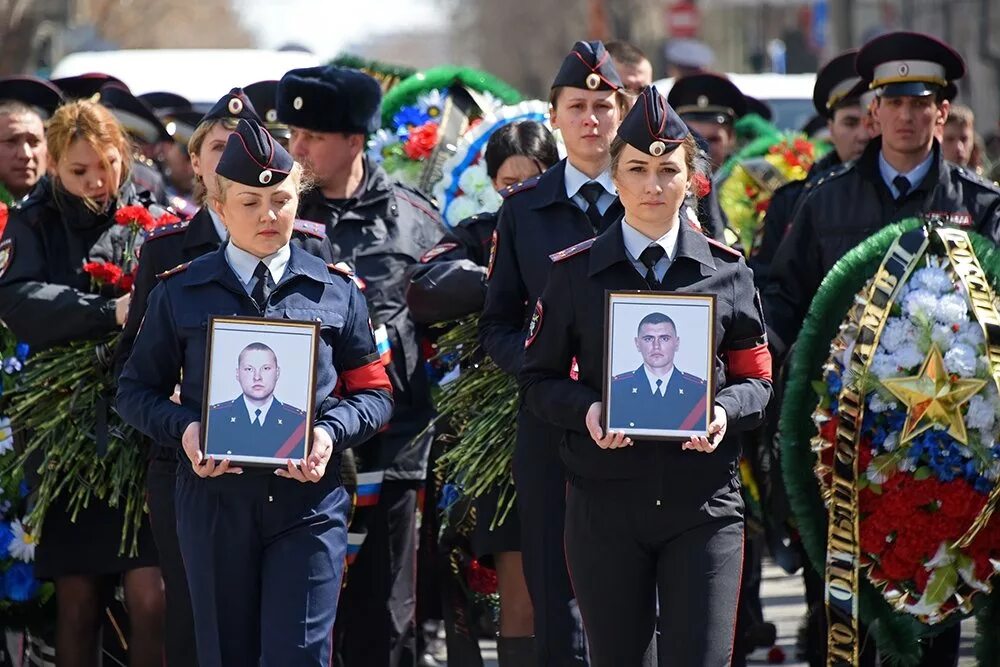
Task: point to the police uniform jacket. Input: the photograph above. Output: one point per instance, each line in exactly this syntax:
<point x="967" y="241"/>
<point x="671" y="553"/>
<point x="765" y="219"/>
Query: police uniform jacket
<point x="635" y="405"/>
<point x="847" y="206"/>
<point x="46" y="298"/>
<point x="450" y="281"/>
<point x="570" y="327"/>
<point x="381" y="233"/>
<point x="284" y="426"/>
<point x="535" y="221"/>
<point x="352" y="399"/>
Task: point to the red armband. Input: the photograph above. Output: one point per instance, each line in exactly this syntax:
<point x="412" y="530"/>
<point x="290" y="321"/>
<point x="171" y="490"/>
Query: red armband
<point x="369" y="376"/>
<point x="754" y="362"/>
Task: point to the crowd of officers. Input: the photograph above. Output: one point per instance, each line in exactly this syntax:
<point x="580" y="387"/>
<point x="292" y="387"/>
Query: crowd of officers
<point x="886" y="109"/>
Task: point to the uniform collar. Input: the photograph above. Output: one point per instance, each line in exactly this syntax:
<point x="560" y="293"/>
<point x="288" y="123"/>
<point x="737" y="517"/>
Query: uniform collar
<point x="609" y="247"/>
<point x="576" y="179"/>
<point x="662" y="391"/>
<point x="551" y="187"/>
<point x="915" y="176"/>
<point x="202" y="231"/>
<point x="264" y="409"/>
<point x="245" y="264"/>
<point x="635" y="241"/>
<point x="215" y="267"/>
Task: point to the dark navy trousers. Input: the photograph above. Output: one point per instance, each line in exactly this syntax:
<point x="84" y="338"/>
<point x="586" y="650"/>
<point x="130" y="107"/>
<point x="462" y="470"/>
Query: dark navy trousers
<point x="264" y="558"/>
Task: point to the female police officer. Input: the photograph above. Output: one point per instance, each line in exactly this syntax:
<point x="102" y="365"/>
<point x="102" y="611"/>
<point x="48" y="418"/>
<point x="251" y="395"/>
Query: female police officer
<point x="264" y="551"/>
<point x="643" y="518"/>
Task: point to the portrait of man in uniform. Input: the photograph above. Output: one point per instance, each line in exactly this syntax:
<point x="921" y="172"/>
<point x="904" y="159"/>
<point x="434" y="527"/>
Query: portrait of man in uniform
<point x="256" y="423"/>
<point x="667" y="393"/>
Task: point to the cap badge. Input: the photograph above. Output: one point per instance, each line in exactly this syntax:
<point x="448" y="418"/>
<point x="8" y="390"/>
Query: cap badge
<point x="904" y="69"/>
<point x="593" y="81"/>
<point x="657" y="148"/>
<point x="235" y="105"/>
<point x="702" y="101"/>
<point x="265" y="176"/>
<point x="171" y="128"/>
<point x="271" y="115"/>
<point x="297" y="103"/>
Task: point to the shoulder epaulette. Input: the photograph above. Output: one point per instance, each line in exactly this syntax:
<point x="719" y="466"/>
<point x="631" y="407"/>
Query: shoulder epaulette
<point x="224" y="404"/>
<point x="477" y="218"/>
<point x="975" y="178"/>
<point x="519" y="187"/>
<point x="724" y="247"/>
<point x="167" y="230"/>
<point x="693" y="378"/>
<point x="835" y="172"/>
<point x="293" y="409"/>
<point x="314" y="229"/>
<point x="174" y="271"/>
<point x="624" y="376"/>
<point x="416" y="199"/>
<point x="344" y="270"/>
<point x="572" y="250"/>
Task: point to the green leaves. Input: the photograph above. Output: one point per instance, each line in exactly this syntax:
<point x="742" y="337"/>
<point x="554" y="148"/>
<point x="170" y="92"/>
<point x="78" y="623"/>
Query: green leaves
<point x="941" y="585"/>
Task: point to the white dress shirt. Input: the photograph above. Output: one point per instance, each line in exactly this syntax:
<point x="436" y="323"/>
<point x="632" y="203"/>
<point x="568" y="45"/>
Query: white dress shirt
<point x="576" y="179"/>
<point x="245" y="264"/>
<point x="636" y="242"/>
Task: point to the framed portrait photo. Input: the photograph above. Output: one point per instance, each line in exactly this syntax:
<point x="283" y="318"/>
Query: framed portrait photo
<point x="260" y="381"/>
<point x="659" y="363"/>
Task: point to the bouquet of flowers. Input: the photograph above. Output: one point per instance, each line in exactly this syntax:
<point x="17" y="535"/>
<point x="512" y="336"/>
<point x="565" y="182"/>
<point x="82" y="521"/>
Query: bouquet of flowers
<point x="62" y="403"/>
<point x="903" y="423"/>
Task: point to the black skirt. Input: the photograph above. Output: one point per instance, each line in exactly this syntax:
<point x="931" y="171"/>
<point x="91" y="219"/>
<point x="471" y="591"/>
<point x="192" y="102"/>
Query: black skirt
<point x="90" y="545"/>
<point x="505" y="537"/>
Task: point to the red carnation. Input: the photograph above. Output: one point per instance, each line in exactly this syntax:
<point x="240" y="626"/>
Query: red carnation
<point x="700" y="185"/>
<point x="421" y="142"/>
<point x="482" y="579"/>
<point x="776" y="656"/>
<point x="3" y="217"/>
<point x="896" y="567"/>
<point x="135" y="215"/>
<point x="103" y="273"/>
<point x="166" y="219"/>
<point x="126" y="281"/>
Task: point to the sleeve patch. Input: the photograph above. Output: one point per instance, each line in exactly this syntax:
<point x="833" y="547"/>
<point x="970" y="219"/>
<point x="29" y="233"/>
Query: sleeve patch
<point x="437" y="251"/>
<point x="493" y="254"/>
<point x="535" y="325"/>
<point x="6" y="255"/>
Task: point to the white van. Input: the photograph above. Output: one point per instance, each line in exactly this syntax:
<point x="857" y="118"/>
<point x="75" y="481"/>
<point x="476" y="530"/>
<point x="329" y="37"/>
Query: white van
<point x="200" y="75"/>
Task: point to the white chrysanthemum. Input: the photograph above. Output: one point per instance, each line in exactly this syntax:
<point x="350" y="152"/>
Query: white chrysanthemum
<point x="961" y="359"/>
<point x="883" y="366"/>
<point x="879" y="404"/>
<point x="22" y="546"/>
<point x="971" y="333"/>
<point x="490" y="200"/>
<point x="920" y="304"/>
<point x="6" y="436"/>
<point x="908" y="356"/>
<point x="942" y="336"/>
<point x="951" y="309"/>
<point x="462" y="207"/>
<point x="932" y="279"/>
<point x="475" y="180"/>
<point x="981" y="414"/>
<point x="897" y="332"/>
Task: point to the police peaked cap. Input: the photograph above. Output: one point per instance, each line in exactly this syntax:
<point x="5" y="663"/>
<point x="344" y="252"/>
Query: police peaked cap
<point x="85" y="85"/>
<point x="252" y="157"/>
<point x="908" y="63"/>
<point x="330" y="99"/>
<point x="652" y="125"/>
<point x="707" y="97"/>
<point x="161" y="100"/>
<point x="235" y="104"/>
<point x="759" y="107"/>
<point x="31" y="91"/>
<point x="836" y="84"/>
<point x="134" y="114"/>
<point x="264" y="95"/>
<point x="588" y="66"/>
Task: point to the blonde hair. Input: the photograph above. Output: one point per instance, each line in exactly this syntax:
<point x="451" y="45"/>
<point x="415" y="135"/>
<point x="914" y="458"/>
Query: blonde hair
<point x="94" y="124"/>
<point x="297" y="174"/>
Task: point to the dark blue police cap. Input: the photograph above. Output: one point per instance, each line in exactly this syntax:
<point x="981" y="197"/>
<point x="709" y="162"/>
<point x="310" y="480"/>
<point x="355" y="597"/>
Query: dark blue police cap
<point x="32" y="91"/>
<point x="836" y="84"/>
<point x="85" y="85"/>
<point x="252" y="157"/>
<point x="588" y="66"/>
<point x="330" y="99"/>
<point x="134" y="114"/>
<point x="235" y="104"/>
<point x="759" y="107"/>
<point x="264" y="95"/>
<point x="180" y="123"/>
<point x="652" y="125"/>
<point x="161" y="100"/>
<point x="908" y="63"/>
<point x="707" y="97"/>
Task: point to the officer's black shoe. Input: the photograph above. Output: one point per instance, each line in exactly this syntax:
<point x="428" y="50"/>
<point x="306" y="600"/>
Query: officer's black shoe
<point x="516" y="652"/>
<point x="762" y="635"/>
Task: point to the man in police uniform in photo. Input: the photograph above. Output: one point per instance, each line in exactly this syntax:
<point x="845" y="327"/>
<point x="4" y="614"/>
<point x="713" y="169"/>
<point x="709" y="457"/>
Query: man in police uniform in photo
<point x="657" y="395"/>
<point x="899" y="175"/>
<point x="379" y="229"/>
<point x="257" y="421"/>
<point x="25" y="103"/>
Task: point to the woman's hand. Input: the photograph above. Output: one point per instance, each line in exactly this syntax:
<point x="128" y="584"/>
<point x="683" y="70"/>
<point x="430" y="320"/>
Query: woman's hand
<point x="716" y="432"/>
<point x="191" y="441"/>
<point x="121" y="309"/>
<point x="313" y="467"/>
<point x="613" y="440"/>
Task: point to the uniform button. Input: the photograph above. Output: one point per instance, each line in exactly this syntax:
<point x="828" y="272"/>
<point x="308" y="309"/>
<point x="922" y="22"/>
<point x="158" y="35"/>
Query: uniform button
<point x="270" y="499"/>
<point x="657" y="503"/>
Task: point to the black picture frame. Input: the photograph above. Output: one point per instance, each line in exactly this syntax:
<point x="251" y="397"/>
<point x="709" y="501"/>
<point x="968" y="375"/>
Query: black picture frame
<point x="684" y="408"/>
<point x="242" y="444"/>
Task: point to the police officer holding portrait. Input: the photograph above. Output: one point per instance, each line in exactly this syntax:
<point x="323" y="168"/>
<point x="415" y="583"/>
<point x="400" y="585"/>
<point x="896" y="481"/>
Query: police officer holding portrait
<point x="379" y="229"/>
<point x="264" y="549"/>
<point x="653" y="528"/>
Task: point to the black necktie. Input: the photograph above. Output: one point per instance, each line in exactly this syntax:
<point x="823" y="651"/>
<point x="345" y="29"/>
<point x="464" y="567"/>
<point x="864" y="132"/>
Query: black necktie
<point x="257" y="422"/>
<point x="657" y="390"/>
<point x="649" y="257"/>
<point x="902" y="184"/>
<point x="592" y="193"/>
<point x="262" y="288"/>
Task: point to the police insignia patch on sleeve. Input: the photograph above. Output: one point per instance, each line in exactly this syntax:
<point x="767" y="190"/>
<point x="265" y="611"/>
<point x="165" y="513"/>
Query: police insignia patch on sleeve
<point x="535" y="325"/>
<point x="436" y="251"/>
<point x="493" y="255"/>
<point x="6" y="255"/>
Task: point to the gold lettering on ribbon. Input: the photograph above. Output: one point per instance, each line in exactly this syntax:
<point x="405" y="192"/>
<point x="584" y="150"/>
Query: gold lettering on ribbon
<point x="843" y="550"/>
<point x="964" y="265"/>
